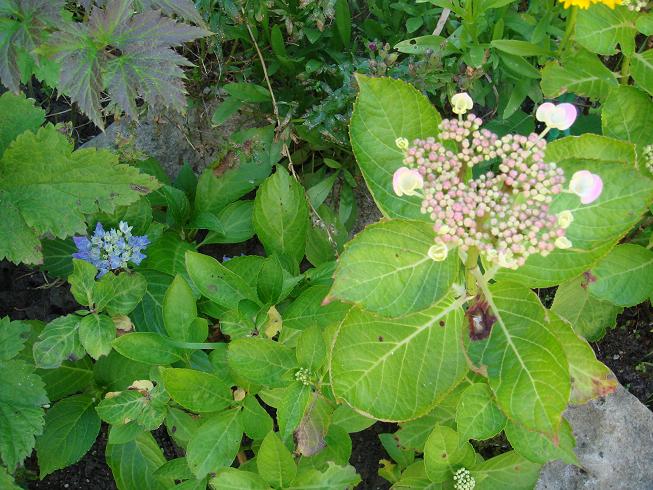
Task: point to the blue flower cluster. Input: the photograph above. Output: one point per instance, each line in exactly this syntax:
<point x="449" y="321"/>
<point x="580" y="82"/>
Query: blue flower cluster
<point x="111" y="250"/>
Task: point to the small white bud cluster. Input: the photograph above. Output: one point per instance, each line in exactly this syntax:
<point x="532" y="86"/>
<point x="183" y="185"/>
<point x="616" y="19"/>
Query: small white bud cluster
<point x="463" y="480"/>
<point x="304" y="376"/>
<point x="635" y="5"/>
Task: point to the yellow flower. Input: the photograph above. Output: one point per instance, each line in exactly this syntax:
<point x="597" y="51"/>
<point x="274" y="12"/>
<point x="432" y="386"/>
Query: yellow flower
<point x="584" y="4"/>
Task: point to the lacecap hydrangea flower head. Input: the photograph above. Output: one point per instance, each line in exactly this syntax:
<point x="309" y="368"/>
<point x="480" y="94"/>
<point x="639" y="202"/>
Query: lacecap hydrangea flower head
<point x="504" y="212"/>
<point x="111" y="250"/>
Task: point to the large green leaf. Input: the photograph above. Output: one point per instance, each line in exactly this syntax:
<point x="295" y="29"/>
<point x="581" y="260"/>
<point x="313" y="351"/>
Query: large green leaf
<point x="508" y="471"/>
<point x="417" y="359"/>
<point x="444" y="451"/>
<point x="96" y="332"/>
<point x="215" y="444"/>
<point x="477" y="414"/>
<point x="58" y="342"/>
<point x="180" y="312"/>
<point x="627" y="114"/>
<point x="22" y="396"/>
<point x="71" y="427"/>
<point x="233" y="479"/>
<point x="526" y="365"/>
<point x="624" y="277"/>
<point x="133" y="464"/>
<point x="590" y="378"/>
<point x="642" y="70"/>
<point x="12" y="337"/>
<point x="601" y="28"/>
<point x="148" y="314"/>
<point x="17" y="114"/>
<point x="307" y="311"/>
<point x="48" y="188"/>
<point x="197" y="391"/>
<point x="581" y="73"/>
<point x="260" y="361"/>
<point x="218" y="283"/>
<point x="275" y="463"/>
<point x="596" y="226"/>
<point x="281" y="216"/>
<point x="387" y="269"/>
<point x="147" y="348"/>
<point x="539" y="449"/>
<point x="588" y="315"/>
<point x="67" y="379"/>
<point x="385" y="110"/>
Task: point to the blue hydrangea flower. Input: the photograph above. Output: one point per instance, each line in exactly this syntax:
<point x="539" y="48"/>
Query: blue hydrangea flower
<point x="111" y="250"/>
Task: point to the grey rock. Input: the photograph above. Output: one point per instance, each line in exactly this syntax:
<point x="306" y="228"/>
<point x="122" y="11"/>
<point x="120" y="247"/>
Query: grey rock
<point x="173" y="138"/>
<point x="614" y="445"/>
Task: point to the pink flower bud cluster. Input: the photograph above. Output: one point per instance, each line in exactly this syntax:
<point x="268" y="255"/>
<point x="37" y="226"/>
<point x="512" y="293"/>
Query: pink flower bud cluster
<point x="504" y="214"/>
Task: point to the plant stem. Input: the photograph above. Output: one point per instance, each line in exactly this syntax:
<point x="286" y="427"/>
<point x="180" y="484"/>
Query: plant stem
<point x="569" y="31"/>
<point x="471" y="263"/>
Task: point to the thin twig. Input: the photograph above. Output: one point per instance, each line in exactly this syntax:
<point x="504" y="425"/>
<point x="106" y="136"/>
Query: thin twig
<point x="284" y="148"/>
<point x="441" y="21"/>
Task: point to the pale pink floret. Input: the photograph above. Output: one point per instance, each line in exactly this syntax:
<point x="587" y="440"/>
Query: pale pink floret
<point x="560" y="116"/>
<point x="406" y="181"/>
<point x="586" y="185"/>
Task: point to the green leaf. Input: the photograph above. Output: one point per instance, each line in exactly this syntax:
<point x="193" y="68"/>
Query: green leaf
<point x="197" y="391"/>
<point x="444" y="450"/>
<point x="526" y="365"/>
<point x="148" y="314"/>
<point x="508" y="471"/>
<point x="7" y="481"/>
<point x="419" y="45"/>
<point x="71" y="427"/>
<point x="248" y="92"/>
<point x="58" y="257"/>
<point x="82" y="281"/>
<point x="215" y="444"/>
<point x="601" y="28"/>
<point x="181" y="426"/>
<point x="333" y="477"/>
<point x="217" y="283"/>
<point x="96" y="332"/>
<point x="343" y="22"/>
<point x="119" y="294"/>
<point x="233" y="479"/>
<point x="12" y="337"/>
<point x="17" y="114"/>
<point x="256" y="421"/>
<point x="350" y="420"/>
<point x="418" y="358"/>
<point x="311" y="349"/>
<point x="641" y="69"/>
<point x="237" y="224"/>
<point x="148" y="348"/>
<point x="386" y="269"/>
<point x="589" y="316"/>
<point x="519" y="48"/>
<point x="385" y="110"/>
<point x="627" y="114"/>
<point x="478" y="416"/>
<point x="242" y="169"/>
<point x="589" y="378"/>
<point x="281" y="216"/>
<point x="167" y="255"/>
<point x="121" y="434"/>
<point x="307" y="310"/>
<point x="291" y="410"/>
<point x="275" y="463"/>
<point x="310" y="435"/>
<point x="227" y="108"/>
<point x="67" y="379"/>
<point x="48" y="188"/>
<point x="269" y="282"/>
<point x="22" y="395"/>
<point x="180" y="311"/>
<point x="582" y="73"/>
<point x="624" y="277"/>
<point x="133" y="464"/>
<point x="115" y="372"/>
<point x="176" y="468"/>
<point x="539" y="449"/>
<point x="122" y="408"/>
<point x="260" y="361"/>
<point x="58" y="341"/>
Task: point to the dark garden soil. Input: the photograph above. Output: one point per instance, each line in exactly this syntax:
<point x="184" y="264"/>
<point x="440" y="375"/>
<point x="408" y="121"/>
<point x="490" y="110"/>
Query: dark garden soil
<point x="27" y="294"/>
